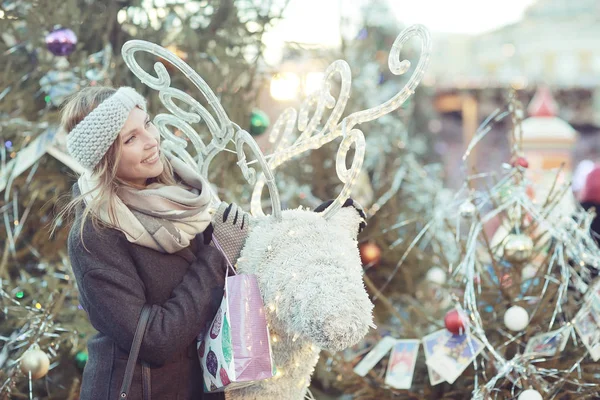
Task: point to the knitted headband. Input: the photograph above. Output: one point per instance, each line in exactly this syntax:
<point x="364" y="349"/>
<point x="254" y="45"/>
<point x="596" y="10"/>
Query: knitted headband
<point x="89" y="141"/>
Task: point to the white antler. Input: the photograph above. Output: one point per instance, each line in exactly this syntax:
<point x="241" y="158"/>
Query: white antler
<point x="221" y="128"/>
<point x="332" y="129"/>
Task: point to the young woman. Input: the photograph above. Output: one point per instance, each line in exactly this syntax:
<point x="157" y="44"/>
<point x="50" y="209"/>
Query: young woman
<point x="138" y="238"/>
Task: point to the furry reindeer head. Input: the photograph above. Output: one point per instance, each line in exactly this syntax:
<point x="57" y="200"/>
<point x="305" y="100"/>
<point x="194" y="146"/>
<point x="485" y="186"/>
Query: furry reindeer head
<point x="310" y="276"/>
<point x="307" y="264"/>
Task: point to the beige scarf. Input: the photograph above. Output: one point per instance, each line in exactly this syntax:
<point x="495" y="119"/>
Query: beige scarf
<point x="162" y="217"/>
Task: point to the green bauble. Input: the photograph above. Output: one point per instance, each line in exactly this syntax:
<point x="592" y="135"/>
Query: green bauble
<point x="259" y="122"/>
<point x="81" y="359"/>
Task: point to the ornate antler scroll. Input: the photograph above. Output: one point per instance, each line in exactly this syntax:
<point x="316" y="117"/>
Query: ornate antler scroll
<point x="332" y="129"/>
<point x="221" y="128"/>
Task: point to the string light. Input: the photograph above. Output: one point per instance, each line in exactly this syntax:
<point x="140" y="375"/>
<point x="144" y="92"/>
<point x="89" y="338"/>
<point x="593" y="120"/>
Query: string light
<point x="314" y="134"/>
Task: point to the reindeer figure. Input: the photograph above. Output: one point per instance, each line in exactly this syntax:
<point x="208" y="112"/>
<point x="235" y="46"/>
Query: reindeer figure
<point x="310" y="277"/>
<point x="307" y="264"/>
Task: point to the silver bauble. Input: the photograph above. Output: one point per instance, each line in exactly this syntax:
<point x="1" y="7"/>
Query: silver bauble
<point x="36" y="361"/>
<point x="517" y="247"/>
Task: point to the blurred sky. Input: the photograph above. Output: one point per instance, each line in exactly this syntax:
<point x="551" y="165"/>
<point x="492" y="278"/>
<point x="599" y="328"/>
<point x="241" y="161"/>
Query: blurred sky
<point x="318" y="21"/>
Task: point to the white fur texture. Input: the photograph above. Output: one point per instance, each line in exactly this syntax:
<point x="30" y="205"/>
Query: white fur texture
<point x="310" y="276"/>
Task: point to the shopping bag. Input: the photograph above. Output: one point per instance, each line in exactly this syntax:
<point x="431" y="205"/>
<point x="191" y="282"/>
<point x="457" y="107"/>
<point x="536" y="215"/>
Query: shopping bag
<point x="236" y="349"/>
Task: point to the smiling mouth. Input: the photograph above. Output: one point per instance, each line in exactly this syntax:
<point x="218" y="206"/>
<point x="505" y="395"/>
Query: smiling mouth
<point x="150" y="160"/>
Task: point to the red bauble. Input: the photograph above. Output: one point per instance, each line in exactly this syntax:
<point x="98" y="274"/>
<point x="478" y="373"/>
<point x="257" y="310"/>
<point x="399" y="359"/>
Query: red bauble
<point x="370" y="253"/>
<point x="520" y="161"/>
<point x="455" y="322"/>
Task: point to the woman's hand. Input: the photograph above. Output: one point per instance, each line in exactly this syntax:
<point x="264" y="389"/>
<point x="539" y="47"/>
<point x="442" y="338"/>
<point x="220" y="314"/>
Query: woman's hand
<point x="230" y="226"/>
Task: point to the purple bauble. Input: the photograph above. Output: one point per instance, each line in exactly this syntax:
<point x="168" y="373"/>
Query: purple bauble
<point x="61" y="42"/>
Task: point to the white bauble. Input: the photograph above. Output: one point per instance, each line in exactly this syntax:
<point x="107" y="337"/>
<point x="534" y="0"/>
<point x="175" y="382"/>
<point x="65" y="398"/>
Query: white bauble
<point x="467" y="209"/>
<point x="528" y="272"/>
<point x="530" y="394"/>
<point x="516" y="318"/>
<point x="436" y="275"/>
<point x="36" y="361"/>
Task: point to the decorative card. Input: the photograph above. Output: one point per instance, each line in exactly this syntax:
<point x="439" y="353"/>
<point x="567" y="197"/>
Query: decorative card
<point x="401" y="366"/>
<point x="374" y="356"/>
<point x="452" y="357"/>
<point x="546" y="344"/>
<point x="429" y="343"/>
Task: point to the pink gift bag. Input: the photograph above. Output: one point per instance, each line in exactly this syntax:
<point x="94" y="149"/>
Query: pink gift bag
<point x="236" y="350"/>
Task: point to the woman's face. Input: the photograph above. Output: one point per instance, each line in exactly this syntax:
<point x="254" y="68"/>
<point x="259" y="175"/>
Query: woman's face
<point x="139" y="151"/>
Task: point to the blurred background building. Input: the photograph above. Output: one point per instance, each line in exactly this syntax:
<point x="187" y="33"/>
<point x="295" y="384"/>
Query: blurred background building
<point x="526" y="45"/>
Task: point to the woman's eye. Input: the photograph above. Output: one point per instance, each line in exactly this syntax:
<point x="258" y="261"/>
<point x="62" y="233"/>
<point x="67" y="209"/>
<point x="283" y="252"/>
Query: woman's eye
<point x="130" y="139"/>
<point x="148" y="122"/>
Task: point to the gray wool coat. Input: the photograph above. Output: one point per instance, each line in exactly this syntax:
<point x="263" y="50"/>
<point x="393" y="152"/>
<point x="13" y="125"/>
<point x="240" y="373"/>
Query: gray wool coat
<point x="115" y="279"/>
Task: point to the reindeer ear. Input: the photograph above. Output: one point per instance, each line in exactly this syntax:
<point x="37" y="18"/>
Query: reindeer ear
<point x="351" y="216"/>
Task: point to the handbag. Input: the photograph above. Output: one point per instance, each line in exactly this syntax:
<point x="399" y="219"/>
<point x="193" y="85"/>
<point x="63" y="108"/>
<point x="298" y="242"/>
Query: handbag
<point x="133" y="357"/>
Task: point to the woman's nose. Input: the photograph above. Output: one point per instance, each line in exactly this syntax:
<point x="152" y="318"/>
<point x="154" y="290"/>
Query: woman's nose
<point x="151" y="140"/>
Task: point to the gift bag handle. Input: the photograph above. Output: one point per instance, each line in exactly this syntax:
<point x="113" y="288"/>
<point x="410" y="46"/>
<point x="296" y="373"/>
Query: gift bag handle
<point x="218" y="246"/>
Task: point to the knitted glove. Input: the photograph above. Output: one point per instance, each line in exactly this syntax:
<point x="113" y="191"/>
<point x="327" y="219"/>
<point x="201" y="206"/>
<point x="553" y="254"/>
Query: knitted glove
<point x="230" y="226"/>
<point x="348" y="203"/>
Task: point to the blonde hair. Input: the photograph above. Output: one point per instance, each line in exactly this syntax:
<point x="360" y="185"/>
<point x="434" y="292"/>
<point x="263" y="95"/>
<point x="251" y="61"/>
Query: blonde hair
<point x="75" y="110"/>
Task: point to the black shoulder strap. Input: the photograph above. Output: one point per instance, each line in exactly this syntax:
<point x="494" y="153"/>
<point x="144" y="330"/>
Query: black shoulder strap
<point x="133" y="357"/>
